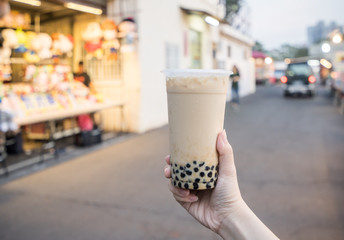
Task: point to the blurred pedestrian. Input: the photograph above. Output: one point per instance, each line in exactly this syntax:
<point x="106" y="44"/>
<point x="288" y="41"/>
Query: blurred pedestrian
<point x="235" y="77"/>
<point x="82" y="76"/>
<point x="221" y="209"/>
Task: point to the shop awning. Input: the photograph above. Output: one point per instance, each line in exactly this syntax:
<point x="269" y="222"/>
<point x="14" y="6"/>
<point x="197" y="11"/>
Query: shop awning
<point x="258" y="54"/>
<point x="204" y="8"/>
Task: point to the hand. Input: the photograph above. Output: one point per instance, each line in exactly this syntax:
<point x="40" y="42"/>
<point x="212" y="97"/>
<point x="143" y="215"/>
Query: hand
<point x="211" y="207"/>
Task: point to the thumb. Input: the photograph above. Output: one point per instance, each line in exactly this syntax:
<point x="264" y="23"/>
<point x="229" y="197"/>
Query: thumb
<point x="226" y="158"/>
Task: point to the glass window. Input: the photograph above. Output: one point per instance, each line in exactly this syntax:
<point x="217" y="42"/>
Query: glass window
<point x="298" y="70"/>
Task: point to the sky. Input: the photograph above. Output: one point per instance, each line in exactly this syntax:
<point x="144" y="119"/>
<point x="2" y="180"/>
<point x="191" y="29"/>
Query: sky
<point x="275" y="22"/>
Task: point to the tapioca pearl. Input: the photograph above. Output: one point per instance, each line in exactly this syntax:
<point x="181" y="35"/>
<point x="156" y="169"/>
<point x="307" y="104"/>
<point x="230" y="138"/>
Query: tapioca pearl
<point x="208" y="186"/>
<point x="182" y="175"/>
<point x="180" y="185"/>
<point x="177" y="171"/>
<point x="186" y="186"/>
<point x="217" y="168"/>
<point x="177" y="178"/>
<point x="207" y="168"/>
<point x="194" y="162"/>
<point x="202" y="174"/>
<point x="188" y="172"/>
<point x="195" y="169"/>
<point x="174" y="172"/>
<point x="212" y="180"/>
<point x="212" y="167"/>
<point x="195" y="185"/>
<point x="197" y="180"/>
<point x="201" y="164"/>
<point x="174" y="183"/>
<point x="210" y="174"/>
<point x="188" y="165"/>
<point x="175" y="164"/>
<point x="181" y="168"/>
<point x="215" y="175"/>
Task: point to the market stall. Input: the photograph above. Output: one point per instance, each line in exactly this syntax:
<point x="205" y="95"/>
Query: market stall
<point x="39" y="48"/>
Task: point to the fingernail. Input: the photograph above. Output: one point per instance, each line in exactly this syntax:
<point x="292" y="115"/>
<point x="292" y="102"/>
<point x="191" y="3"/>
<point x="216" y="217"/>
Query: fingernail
<point x="193" y="198"/>
<point x="166" y="170"/>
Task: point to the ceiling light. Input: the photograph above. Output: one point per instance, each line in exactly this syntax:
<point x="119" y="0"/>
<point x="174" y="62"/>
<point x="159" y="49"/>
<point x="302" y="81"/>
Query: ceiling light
<point x="36" y="3"/>
<point x="83" y="8"/>
<point x="212" y="21"/>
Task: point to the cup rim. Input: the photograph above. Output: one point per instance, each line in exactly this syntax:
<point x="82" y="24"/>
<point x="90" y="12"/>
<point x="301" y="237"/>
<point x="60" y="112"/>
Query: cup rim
<point x="195" y="72"/>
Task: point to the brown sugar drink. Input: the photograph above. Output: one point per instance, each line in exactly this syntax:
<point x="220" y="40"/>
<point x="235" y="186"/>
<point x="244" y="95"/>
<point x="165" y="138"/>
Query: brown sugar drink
<point x="196" y="107"/>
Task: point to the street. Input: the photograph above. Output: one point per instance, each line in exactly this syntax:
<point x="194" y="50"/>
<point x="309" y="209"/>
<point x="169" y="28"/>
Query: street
<point x="290" y="160"/>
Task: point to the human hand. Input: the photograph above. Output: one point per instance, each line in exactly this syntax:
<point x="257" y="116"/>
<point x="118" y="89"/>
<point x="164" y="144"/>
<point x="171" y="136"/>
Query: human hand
<point x="212" y="207"/>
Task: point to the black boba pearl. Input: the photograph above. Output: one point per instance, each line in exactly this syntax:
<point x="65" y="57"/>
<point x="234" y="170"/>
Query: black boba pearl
<point x="188" y="172"/>
<point x="181" y="168"/>
<point x="195" y="185"/>
<point x="212" y="167"/>
<point x="212" y="180"/>
<point x="186" y="186"/>
<point x="179" y="185"/>
<point x="197" y="180"/>
<point x="207" y="168"/>
<point x="175" y="164"/>
<point x="201" y="164"/>
<point x="217" y="167"/>
<point x="215" y="175"/>
<point x="196" y="169"/>
<point x="202" y="174"/>
<point x="177" y="171"/>
<point x="210" y="174"/>
<point x="194" y="162"/>
<point x="208" y="186"/>
<point x="173" y="171"/>
<point x="188" y="165"/>
<point x="177" y="178"/>
<point x="182" y="175"/>
<point x="174" y="183"/>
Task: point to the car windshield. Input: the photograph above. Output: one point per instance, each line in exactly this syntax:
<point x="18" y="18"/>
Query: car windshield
<point x="298" y="70"/>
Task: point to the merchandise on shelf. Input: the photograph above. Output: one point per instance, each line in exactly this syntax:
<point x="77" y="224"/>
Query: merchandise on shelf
<point x="14" y="19"/>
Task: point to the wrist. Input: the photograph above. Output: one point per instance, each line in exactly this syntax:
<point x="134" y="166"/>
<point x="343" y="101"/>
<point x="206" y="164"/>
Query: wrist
<point x="244" y="224"/>
<point x="230" y="226"/>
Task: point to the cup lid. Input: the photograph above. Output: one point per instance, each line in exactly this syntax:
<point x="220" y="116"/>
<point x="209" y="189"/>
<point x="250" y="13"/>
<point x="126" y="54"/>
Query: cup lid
<point x="195" y="72"/>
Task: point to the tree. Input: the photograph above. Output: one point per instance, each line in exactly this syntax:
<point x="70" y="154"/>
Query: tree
<point x="232" y="9"/>
<point x="258" y="46"/>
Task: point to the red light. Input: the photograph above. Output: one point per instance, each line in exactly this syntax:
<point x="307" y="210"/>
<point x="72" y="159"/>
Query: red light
<point x="311" y="79"/>
<point x="284" y="79"/>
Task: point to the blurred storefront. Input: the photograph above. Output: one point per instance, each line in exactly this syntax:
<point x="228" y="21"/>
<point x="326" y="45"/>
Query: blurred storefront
<point x="42" y="43"/>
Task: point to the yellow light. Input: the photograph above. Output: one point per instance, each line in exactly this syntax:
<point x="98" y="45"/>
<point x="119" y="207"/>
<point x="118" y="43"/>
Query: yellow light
<point x="325" y="63"/>
<point x="287" y="61"/>
<point x="30" y="2"/>
<point x="83" y="8"/>
<point x="337" y="38"/>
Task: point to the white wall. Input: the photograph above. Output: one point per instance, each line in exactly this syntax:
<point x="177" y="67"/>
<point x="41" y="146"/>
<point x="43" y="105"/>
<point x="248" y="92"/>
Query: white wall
<point x="159" y="25"/>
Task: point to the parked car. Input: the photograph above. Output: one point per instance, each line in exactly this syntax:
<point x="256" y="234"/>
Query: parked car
<point x="299" y="79"/>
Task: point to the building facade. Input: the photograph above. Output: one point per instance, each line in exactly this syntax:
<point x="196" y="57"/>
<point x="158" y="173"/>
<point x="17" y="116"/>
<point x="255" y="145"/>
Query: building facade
<point x="174" y="34"/>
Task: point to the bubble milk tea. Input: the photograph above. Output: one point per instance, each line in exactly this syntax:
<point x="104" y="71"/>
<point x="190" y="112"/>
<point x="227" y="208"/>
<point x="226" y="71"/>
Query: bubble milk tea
<point x="196" y="108"/>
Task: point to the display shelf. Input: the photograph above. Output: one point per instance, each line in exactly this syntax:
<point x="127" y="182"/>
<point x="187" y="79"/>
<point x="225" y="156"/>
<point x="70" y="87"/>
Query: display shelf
<point x="66" y="113"/>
